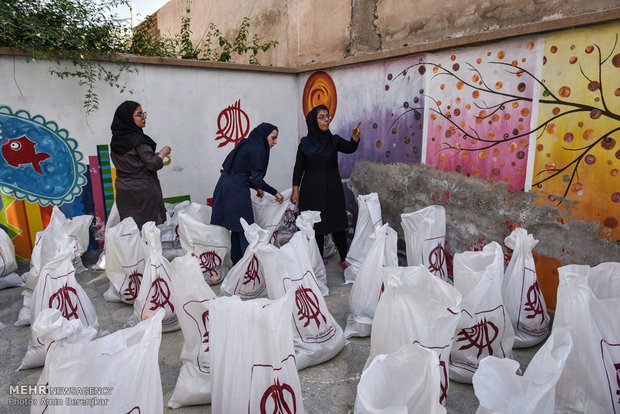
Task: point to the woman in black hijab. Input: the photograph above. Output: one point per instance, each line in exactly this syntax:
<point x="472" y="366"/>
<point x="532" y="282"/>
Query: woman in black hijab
<point x="244" y="168"/>
<point x="316" y="171"/>
<point x="138" y="193"/>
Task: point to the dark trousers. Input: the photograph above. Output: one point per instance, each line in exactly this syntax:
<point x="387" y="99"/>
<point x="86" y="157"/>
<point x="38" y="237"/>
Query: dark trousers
<point x="340" y="240"/>
<point x="238" y="244"/>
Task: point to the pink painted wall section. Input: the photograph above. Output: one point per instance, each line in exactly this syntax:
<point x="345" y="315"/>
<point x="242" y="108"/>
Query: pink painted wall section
<point x="578" y="151"/>
<point x="479" y="109"/>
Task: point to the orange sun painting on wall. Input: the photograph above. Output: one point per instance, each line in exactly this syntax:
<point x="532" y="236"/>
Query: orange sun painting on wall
<point x="319" y="90"/>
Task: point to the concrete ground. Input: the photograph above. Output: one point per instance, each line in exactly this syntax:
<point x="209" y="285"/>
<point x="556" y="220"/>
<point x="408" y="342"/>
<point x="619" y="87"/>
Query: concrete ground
<point x="329" y="388"/>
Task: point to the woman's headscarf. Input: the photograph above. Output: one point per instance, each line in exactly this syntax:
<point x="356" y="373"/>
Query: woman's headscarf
<point x="317" y="143"/>
<point x="257" y="154"/>
<point x="126" y="135"/>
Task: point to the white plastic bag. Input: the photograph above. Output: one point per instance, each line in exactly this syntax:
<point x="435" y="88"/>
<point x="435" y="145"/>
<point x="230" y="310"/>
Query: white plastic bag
<point x="368" y="218"/>
<point x="57" y="288"/>
<point x="193" y="297"/>
<point x="522" y="296"/>
<point x="484" y="327"/>
<point x="8" y="265"/>
<point x="154" y="290"/>
<point x="252" y="357"/>
<point x="247" y="278"/>
<point x="425" y="238"/>
<point x="210" y="244"/>
<point x="116" y="373"/>
<point x="501" y="390"/>
<point x="305" y="222"/>
<point x="113" y="219"/>
<point x="416" y="307"/>
<point x="76" y="228"/>
<point x="588" y="305"/>
<point x="23" y="317"/>
<point x="406" y="381"/>
<point x="317" y="336"/>
<point x="268" y="212"/>
<point x="287" y="226"/>
<point x="366" y="290"/>
<point x="126" y="255"/>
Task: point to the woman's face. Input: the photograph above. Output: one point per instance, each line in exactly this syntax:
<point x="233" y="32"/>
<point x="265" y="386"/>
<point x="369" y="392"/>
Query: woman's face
<point x="323" y="118"/>
<point x="139" y="117"/>
<point x="273" y="138"/>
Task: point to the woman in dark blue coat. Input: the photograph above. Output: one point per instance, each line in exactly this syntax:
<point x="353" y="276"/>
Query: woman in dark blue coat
<point x="244" y="168"/>
<point x="316" y="172"/>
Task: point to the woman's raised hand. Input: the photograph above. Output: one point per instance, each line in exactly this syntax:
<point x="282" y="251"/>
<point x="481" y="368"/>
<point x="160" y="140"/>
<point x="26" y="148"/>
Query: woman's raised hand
<point x="357" y="132"/>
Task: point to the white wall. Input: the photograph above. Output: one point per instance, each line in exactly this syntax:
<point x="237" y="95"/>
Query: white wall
<point x="183" y="104"/>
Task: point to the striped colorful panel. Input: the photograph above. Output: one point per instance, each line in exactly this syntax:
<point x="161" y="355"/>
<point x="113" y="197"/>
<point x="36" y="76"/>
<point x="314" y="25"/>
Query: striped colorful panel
<point x="103" y="153"/>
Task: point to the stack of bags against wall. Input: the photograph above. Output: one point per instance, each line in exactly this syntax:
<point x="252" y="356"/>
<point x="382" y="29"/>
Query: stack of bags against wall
<point x="8" y="266"/>
<point x="368" y="219"/>
<point x="317" y="336"/>
<point x="123" y="367"/>
<point x="268" y="213"/>
<point x="418" y="308"/>
<point x="237" y="355"/>
<point x="48" y="244"/>
<point x="368" y="284"/>
<point x="57" y="288"/>
<point x="209" y="243"/>
<point x="154" y="292"/>
<point x="246" y="279"/>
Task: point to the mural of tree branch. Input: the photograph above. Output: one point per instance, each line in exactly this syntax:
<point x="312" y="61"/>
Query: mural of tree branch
<point x="555" y="102"/>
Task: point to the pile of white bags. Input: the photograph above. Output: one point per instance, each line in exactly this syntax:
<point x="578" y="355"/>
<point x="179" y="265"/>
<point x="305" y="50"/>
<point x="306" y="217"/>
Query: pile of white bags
<point x="252" y="357"/>
<point x="57" y="288"/>
<point x="366" y="289"/>
<point x="484" y="327"/>
<point x="368" y="218"/>
<point x="154" y="290"/>
<point x="406" y="381"/>
<point x="126" y="254"/>
<point x="268" y="212"/>
<point x="305" y="222"/>
<point x="425" y="238"/>
<point x="210" y="243"/>
<point x="501" y="390"/>
<point x="522" y="296"/>
<point x="588" y="305"/>
<point x="193" y="298"/>
<point x="416" y="307"/>
<point x="247" y="278"/>
<point x="8" y="266"/>
<point x="116" y="373"/>
<point x="317" y="336"/>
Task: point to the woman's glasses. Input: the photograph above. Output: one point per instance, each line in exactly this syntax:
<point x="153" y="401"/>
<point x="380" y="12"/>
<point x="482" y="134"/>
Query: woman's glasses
<point x="141" y="115"/>
<point x="326" y="117"/>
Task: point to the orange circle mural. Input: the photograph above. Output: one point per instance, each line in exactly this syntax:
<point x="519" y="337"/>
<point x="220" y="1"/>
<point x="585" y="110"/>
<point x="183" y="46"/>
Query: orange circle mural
<point x="319" y="90"/>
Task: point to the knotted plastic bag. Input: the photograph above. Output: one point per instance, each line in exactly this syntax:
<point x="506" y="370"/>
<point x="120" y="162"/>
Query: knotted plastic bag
<point x="305" y="222"/>
<point x="425" y="238"/>
<point x="368" y="218"/>
<point x="366" y="289"/>
<point x="522" y="296"/>
<point x="193" y="298"/>
<point x="268" y="212"/>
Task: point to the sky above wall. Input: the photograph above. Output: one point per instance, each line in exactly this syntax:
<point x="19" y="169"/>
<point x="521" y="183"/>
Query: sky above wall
<point x="143" y="8"/>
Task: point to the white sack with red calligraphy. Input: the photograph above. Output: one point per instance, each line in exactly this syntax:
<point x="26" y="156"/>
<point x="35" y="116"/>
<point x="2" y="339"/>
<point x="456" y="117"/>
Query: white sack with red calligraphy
<point x="425" y="238"/>
<point x="416" y="307"/>
<point x="366" y="289"/>
<point x="126" y="255"/>
<point x="305" y="223"/>
<point x="252" y="357"/>
<point x="192" y="297"/>
<point x="484" y="327"/>
<point x="388" y="386"/>
<point x="268" y="212"/>
<point x="317" y="336"/>
<point x="588" y="305"/>
<point x="522" y="295"/>
<point x="368" y="218"/>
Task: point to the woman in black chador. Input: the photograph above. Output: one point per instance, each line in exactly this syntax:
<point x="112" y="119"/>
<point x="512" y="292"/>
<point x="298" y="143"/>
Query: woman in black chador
<point x="316" y="172"/>
<point x="138" y="194"/>
<point x="244" y="168"/>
